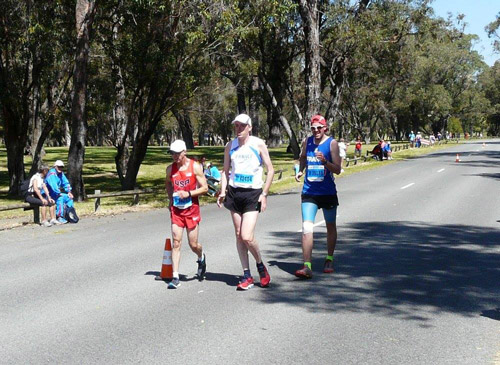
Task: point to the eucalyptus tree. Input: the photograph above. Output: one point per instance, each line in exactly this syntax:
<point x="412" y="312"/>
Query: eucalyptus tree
<point x="34" y="71"/>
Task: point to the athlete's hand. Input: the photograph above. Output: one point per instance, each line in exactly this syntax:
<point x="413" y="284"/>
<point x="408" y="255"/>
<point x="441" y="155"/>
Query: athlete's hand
<point x="263" y="203"/>
<point x="220" y="200"/>
<point x="298" y="176"/>
<point x="70" y="195"/>
<point x="320" y="157"/>
<point x="183" y="194"/>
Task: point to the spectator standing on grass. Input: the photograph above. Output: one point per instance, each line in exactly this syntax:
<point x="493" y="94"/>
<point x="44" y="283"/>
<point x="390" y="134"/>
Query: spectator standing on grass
<point x="411" y="136"/>
<point x="38" y="194"/>
<point x="59" y="189"/>
<point x="418" y="139"/>
<point x="358" y="147"/>
<point x="342" y="151"/>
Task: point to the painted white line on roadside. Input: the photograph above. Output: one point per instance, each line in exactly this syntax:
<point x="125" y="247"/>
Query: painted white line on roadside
<point x="315" y="225"/>
<point x="407" y="186"/>
<point x="440" y="170"/>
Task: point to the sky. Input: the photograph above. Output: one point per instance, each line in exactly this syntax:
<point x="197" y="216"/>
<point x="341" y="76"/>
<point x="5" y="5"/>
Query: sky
<point x="478" y="14"/>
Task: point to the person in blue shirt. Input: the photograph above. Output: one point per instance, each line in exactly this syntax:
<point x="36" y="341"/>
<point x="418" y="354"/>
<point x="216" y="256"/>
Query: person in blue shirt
<point x="59" y="189"/>
<point x="411" y="136"/>
<point x="320" y="159"/>
<point x="387" y="151"/>
<point x="213" y="171"/>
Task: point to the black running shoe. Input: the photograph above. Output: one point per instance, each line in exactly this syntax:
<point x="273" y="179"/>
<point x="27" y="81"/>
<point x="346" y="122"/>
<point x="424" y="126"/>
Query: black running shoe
<point x="174" y="284"/>
<point x="202" y="268"/>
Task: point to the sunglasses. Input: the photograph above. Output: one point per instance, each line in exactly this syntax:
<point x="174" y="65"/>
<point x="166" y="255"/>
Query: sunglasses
<point x="317" y="128"/>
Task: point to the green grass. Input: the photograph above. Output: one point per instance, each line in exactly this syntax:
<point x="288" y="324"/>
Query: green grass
<point x="100" y="174"/>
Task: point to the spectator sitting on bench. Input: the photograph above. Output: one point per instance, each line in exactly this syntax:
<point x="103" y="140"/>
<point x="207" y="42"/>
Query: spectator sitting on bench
<point x="213" y="171"/>
<point x="39" y="195"/>
<point x="377" y="151"/>
<point x="387" y="151"/>
<point x="59" y="189"/>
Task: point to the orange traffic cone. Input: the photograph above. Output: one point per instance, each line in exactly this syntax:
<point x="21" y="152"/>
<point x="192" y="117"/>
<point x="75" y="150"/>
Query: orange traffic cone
<point x="167" y="271"/>
<point x="458" y="158"/>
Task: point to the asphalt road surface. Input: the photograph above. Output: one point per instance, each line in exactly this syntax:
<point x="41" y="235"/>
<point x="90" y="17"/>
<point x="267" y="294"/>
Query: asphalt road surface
<point x="417" y="280"/>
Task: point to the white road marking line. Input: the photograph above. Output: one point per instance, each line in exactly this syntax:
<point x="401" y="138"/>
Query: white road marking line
<point x="315" y="225"/>
<point x="440" y="170"/>
<point x="407" y="186"/>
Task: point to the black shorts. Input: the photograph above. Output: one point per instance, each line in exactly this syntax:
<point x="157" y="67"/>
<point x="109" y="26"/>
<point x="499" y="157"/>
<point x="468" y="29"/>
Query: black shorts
<point x="32" y="199"/>
<point x="322" y="201"/>
<point x="242" y="200"/>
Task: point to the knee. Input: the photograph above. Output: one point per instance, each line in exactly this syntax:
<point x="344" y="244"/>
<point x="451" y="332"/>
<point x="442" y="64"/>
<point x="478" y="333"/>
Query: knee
<point x="246" y="239"/>
<point x="176" y="245"/>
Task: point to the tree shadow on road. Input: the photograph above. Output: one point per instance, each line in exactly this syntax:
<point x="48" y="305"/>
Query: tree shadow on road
<point x="404" y="269"/>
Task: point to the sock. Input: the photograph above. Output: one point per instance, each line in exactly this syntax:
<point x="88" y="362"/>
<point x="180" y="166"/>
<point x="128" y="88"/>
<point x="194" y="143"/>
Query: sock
<point x="330" y="258"/>
<point x="308" y="264"/>
<point x="176" y="274"/>
<point x="200" y="259"/>
<point x="246" y="274"/>
<point x="260" y="267"/>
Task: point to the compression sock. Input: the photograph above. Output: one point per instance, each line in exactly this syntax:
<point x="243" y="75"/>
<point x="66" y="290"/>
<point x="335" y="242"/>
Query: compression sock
<point x="329" y="258"/>
<point x="308" y="264"/>
<point x="247" y="274"/>
<point x="260" y="267"/>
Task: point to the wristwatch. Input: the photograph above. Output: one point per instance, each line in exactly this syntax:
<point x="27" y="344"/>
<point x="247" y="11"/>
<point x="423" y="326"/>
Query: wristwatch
<point x="264" y="194"/>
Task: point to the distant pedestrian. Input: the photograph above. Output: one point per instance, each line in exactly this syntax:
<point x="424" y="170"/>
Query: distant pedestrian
<point x="358" y="147"/>
<point x="185" y="183"/>
<point x="411" y="136"/>
<point x="246" y="195"/>
<point x="342" y="152"/>
<point x="320" y="159"/>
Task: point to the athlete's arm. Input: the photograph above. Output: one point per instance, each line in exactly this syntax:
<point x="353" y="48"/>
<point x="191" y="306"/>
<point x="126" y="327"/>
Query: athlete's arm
<point x="202" y="187"/>
<point x="224" y="176"/>
<point x="302" y="160"/>
<point x="264" y="153"/>
<point x="335" y="166"/>
<point x="168" y="185"/>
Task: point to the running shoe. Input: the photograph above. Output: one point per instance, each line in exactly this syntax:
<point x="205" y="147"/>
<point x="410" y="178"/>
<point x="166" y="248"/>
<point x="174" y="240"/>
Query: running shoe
<point x="304" y="273"/>
<point x="328" y="267"/>
<point x="55" y="222"/>
<point x="245" y="284"/>
<point x="174" y="284"/>
<point x="46" y="224"/>
<point x="202" y="267"/>
<point x="265" y="278"/>
<point x="62" y="220"/>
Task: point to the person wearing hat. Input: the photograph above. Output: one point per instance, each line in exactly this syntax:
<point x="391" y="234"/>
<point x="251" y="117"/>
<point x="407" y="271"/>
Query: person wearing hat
<point x="184" y="183"/>
<point x="320" y="159"/>
<point x="59" y="189"/>
<point x="244" y="194"/>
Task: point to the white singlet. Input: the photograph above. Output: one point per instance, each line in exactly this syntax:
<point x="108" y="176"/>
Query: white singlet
<point x="246" y="164"/>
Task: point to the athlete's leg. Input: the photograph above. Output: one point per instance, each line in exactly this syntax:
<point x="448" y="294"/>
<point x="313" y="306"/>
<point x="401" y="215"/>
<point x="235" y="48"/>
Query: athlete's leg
<point x="176" y="247"/>
<point x="331" y="229"/>
<point x="242" y="248"/>
<point x="248" y="222"/>
<point x="192" y="235"/>
<point x="309" y="211"/>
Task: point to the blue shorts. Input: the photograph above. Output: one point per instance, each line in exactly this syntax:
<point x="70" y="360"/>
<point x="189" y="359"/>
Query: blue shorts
<point x="311" y="204"/>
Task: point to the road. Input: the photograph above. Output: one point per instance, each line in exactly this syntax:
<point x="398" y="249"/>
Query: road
<point x="417" y="280"/>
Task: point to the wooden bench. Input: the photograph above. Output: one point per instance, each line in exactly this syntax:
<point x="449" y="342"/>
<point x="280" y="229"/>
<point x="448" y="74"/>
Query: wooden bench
<point x="24" y="206"/>
<point x="354" y="160"/>
<point x="135" y="193"/>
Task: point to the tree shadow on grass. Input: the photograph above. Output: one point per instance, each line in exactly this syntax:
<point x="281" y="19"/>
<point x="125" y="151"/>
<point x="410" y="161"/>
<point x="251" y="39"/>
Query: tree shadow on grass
<point x="404" y="269"/>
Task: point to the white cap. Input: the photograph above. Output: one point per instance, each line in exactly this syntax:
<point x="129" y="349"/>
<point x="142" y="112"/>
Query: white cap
<point x="59" y="163"/>
<point x="178" y="146"/>
<point x="243" y="118"/>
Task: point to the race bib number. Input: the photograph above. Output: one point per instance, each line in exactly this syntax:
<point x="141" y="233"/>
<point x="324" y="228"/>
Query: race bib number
<point x="181" y="203"/>
<point x="315" y="173"/>
<point x="241" y="179"/>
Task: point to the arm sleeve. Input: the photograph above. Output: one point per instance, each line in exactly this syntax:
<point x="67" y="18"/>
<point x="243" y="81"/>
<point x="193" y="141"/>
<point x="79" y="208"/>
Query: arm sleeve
<point x="65" y="183"/>
<point x="51" y="182"/>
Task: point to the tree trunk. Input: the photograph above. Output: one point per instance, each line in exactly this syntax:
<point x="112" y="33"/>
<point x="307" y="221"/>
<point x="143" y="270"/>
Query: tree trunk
<point x="36" y="123"/>
<point x="85" y="11"/>
<point x="240" y="93"/>
<point x="253" y="106"/>
<point x="186" y="127"/>
<point x="38" y="149"/>
<point x="310" y="17"/>
<point x="284" y="122"/>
